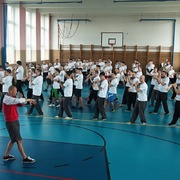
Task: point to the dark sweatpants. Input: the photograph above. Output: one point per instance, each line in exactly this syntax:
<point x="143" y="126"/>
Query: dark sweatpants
<point x="176" y="112"/>
<point x="99" y="108"/>
<point x="37" y="106"/>
<point x="64" y="107"/>
<point x="139" y="109"/>
<point x="162" y="97"/>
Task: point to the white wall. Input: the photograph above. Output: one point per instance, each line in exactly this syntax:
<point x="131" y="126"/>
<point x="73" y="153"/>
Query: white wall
<point x="153" y="33"/>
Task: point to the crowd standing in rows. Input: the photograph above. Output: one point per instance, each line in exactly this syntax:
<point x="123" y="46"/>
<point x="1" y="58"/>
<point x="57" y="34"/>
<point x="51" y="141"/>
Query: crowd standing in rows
<point x="65" y="84"/>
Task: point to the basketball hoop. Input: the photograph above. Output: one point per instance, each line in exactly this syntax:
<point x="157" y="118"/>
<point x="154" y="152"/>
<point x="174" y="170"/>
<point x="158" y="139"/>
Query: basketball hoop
<point x="112" y="42"/>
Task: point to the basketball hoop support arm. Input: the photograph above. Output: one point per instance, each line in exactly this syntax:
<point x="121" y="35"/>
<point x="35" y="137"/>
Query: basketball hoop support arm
<point x="70" y="20"/>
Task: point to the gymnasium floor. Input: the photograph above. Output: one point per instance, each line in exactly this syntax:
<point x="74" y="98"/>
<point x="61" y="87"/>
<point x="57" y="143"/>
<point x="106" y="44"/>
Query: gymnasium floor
<point x="83" y="149"/>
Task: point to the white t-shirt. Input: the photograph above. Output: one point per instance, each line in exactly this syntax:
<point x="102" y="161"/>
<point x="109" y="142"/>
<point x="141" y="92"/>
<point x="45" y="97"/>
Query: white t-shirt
<point x="44" y="67"/>
<point x="62" y="75"/>
<point x="118" y="76"/>
<point x="101" y="64"/>
<point x="79" y="81"/>
<point x="178" y="81"/>
<point x="37" y="85"/>
<point x="55" y="83"/>
<point x="20" y="73"/>
<point x="9" y="67"/>
<point x="156" y="85"/>
<point x="142" y="94"/>
<point x="57" y="65"/>
<point x="1" y="73"/>
<point x="51" y="70"/>
<point x="171" y="73"/>
<point x="7" y="82"/>
<point x="68" y="88"/>
<point x="133" y="81"/>
<point x="30" y="85"/>
<point x="139" y="74"/>
<point x="149" y="68"/>
<point x="153" y="81"/>
<point x="93" y="66"/>
<point x="177" y="97"/>
<point x="103" y="92"/>
<point x="95" y="87"/>
<point x="164" y="88"/>
<point x="113" y="88"/>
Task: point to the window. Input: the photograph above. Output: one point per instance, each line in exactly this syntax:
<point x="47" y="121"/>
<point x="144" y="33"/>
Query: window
<point x="44" y="38"/>
<point x="13" y="38"/>
<point x="30" y="36"/>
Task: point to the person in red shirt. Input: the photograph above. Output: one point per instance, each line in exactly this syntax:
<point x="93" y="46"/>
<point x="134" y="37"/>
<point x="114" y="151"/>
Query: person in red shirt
<point x="10" y="104"/>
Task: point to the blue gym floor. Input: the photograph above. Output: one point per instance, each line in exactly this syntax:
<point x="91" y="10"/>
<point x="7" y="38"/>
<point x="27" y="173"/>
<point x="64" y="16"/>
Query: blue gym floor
<point x="83" y="149"/>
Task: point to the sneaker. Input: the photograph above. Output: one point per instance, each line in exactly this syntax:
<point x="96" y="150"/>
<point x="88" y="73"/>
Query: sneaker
<point x="8" y="158"/>
<point x="39" y="115"/>
<point x="51" y="105"/>
<point x="102" y="119"/>
<point x="28" y="114"/>
<point x="152" y="112"/>
<point x="94" y="118"/>
<point x="68" y="118"/>
<point x="167" y="113"/>
<point x="58" y="105"/>
<point x="58" y="116"/>
<point x="87" y="104"/>
<point x="29" y="160"/>
<point x="73" y="107"/>
<point x="172" y="124"/>
<point x="113" y="110"/>
<point x="143" y="123"/>
<point x="121" y="105"/>
<point x="130" y="122"/>
<point x="80" y="108"/>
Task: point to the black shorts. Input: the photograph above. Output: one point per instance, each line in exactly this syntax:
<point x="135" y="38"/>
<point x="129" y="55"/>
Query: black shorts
<point x="78" y="92"/>
<point x="14" y="131"/>
<point x="49" y="82"/>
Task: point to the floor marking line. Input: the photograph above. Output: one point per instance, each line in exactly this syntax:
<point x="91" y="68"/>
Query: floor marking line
<point x="107" y="122"/>
<point x="35" y="175"/>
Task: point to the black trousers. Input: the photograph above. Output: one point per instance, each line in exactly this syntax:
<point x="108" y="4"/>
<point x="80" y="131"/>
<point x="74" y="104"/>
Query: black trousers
<point x="99" y="108"/>
<point x="2" y="97"/>
<point x="173" y="94"/>
<point x="19" y="87"/>
<point x="154" y="96"/>
<point x="125" y="95"/>
<point x="131" y="100"/>
<point x="161" y="97"/>
<point x="150" y="91"/>
<point x="45" y="74"/>
<point x="176" y="112"/>
<point x="148" y="78"/>
<point x="29" y="93"/>
<point x="139" y="109"/>
<point x="93" y="95"/>
<point x="64" y="107"/>
<point x="37" y="106"/>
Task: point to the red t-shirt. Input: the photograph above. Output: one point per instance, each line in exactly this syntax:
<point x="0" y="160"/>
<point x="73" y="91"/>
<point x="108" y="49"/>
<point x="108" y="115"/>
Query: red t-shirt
<point x="10" y="105"/>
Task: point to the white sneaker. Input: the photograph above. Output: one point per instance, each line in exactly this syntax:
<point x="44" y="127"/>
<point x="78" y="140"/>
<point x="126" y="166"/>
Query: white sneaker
<point x="58" y="105"/>
<point x="68" y="118"/>
<point x="51" y="105"/>
<point x="29" y="160"/>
